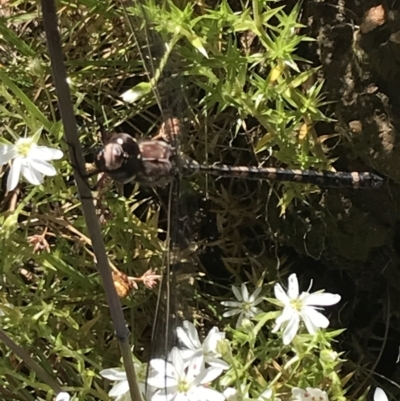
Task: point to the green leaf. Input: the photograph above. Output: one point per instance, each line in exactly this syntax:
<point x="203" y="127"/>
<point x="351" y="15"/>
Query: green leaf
<point x="196" y="42"/>
<point x="10" y="37"/>
<point x="30" y="106"/>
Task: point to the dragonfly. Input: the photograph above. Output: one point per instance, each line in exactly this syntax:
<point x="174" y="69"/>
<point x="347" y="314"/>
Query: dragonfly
<point x="159" y="162"/>
<point x="155" y="163"/>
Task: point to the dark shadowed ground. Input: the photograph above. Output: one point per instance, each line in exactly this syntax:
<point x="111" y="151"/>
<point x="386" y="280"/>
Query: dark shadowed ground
<point x="350" y="241"/>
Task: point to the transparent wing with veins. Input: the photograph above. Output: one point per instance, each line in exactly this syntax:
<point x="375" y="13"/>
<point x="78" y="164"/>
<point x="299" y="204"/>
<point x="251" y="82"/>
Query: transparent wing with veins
<point x="161" y="166"/>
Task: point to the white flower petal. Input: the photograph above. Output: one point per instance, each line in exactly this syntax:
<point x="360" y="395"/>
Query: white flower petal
<point x="286" y="315"/>
<point x="291" y="329"/>
<point x="164" y="395"/>
<point x="42" y="167"/>
<point x="245" y="292"/>
<point x="195" y="365"/>
<point x="113" y="374"/>
<point x="63" y="396"/>
<point x="177" y="361"/>
<point x="310" y="324"/>
<point x="210" y="343"/>
<point x="119" y="389"/>
<point x="184" y="338"/>
<point x="280" y="294"/>
<point x="240" y="320"/>
<point x="253" y="312"/>
<point x="380" y="395"/>
<point x="268" y="393"/>
<point x="208" y="375"/>
<point x="45" y="153"/>
<point x="313" y="319"/>
<point x="309" y="394"/>
<point x="161" y="369"/>
<point x="182" y="397"/>
<point x="7" y="152"/>
<point x="258" y="301"/>
<point x="14" y="173"/>
<point x="187" y="354"/>
<point x="255" y="294"/>
<point x="162" y="382"/>
<point x="317" y="394"/>
<point x="218" y="363"/>
<point x="231" y="312"/>
<point x="237" y="293"/>
<point x="33" y="176"/>
<point x="322" y="299"/>
<point x="299" y="393"/>
<point x="277" y="326"/>
<point x="293" y="288"/>
<point x="230" y="394"/>
<point x="231" y="304"/>
<point x="206" y="394"/>
<point x="6" y="148"/>
<point x="192" y="333"/>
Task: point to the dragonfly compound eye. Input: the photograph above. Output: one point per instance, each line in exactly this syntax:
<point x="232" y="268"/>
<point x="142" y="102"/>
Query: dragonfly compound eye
<point x="110" y="158"/>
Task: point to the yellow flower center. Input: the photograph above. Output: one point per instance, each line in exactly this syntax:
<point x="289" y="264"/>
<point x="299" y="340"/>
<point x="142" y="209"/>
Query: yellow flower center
<point x="183" y="386"/>
<point x="24" y="146"/>
<point x="296" y="304"/>
<point x="246" y="306"/>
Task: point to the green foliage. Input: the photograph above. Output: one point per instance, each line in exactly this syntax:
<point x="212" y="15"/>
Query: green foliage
<point x="254" y="357"/>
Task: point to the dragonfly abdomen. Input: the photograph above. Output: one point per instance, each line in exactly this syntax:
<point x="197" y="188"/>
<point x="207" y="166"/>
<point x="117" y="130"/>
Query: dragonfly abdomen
<point x="324" y="179"/>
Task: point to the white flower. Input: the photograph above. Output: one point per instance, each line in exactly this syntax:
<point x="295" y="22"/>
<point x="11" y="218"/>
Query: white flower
<point x="246" y="305"/>
<point x="268" y="394"/>
<point x="380" y="395"/>
<point x="190" y="339"/>
<point x="309" y="394"/>
<point x="303" y="306"/>
<point x="63" y="396"/>
<point x="178" y="382"/>
<point x="29" y="159"/>
<point x="120" y="389"/>
<point x="232" y="394"/>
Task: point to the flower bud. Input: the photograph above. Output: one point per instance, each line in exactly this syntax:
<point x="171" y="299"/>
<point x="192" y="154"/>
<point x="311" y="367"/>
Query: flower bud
<point x="247" y="326"/>
<point x="224" y="349"/>
<point x="327" y="355"/>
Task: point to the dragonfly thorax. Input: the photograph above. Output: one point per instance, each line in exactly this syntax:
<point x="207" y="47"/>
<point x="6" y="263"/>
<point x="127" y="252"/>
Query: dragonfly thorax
<point x="158" y="161"/>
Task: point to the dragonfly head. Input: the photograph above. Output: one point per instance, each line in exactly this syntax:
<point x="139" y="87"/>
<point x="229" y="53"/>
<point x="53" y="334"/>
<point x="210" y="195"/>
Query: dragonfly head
<point x="120" y="158"/>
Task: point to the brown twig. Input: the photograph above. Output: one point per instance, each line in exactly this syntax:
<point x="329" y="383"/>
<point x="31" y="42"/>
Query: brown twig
<point x="78" y="163"/>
